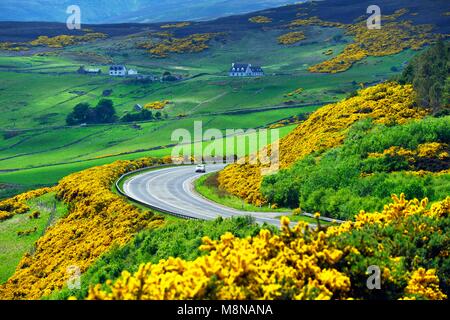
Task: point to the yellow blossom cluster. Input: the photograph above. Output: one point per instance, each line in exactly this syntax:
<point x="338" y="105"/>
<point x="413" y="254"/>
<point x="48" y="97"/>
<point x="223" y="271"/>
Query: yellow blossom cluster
<point x="296" y="92"/>
<point x="392" y="38"/>
<point x="176" y="25"/>
<point x="433" y="154"/>
<point x="425" y="284"/>
<point x="397" y="211"/>
<point x="266" y="266"/>
<point x="65" y="40"/>
<point x="342" y="62"/>
<point x="315" y="21"/>
<point x="300" y="263"/>
<point x="157" y="105"/>
<point x="18" y="205"/>
<point x="260" y="19"/>
<point x="291" y="38"/>
<point x="97" y="220"/>
<point x="326" y="128"/>
<point x="193" y="43"/>
<point x="9" y="46"/>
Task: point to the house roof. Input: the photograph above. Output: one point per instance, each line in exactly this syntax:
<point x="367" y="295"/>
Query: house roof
<point x="242" y="67"/>
<point x="117" y="68"/>
<point x="239" y="67"/>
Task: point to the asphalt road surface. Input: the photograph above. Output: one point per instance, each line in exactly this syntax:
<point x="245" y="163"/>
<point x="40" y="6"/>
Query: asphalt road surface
<point x="172" y="190"/>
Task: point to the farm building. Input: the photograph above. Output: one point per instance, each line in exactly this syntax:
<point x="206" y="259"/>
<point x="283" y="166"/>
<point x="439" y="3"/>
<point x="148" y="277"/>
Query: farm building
<point x="82" y="70"/>
<point x="118" y="71"/>
<point x="245" y="70"/>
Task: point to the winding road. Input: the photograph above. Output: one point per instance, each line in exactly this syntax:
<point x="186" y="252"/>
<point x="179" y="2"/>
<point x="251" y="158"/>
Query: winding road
<point x="172" y="190"/>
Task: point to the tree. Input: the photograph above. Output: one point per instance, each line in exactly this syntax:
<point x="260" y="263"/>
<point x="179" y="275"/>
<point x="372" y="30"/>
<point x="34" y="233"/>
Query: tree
<point x="428" y="74"/>
<point x="105" y="112"/>
<point x="82" y="113"/>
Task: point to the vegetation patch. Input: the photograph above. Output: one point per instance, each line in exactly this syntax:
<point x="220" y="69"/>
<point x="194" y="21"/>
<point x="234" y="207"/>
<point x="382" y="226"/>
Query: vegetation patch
<point x="180" y="239"/>
<point x="157" y="105"/>
<point x="386" y="103"/>
<point x="260" y="19"/>
<point x="373" y="163"/>
<point x="98" y="219"/>
<point x="304" y="264"/>
<point x="19" y="233"/>
<point x="176" y="25"/>
<point x="193" y="43"/>
<point x="291" y="38"/>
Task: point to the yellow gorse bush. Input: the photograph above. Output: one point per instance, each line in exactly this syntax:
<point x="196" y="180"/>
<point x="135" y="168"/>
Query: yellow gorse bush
<point x="434" y="154"/>
<point x="326" y="128"/>
<point x="65" y="40"/>
<point x="97" y="220"/>
<point x="260" y="19"/>
<point x="392" y="38"/>
<point x="291" y="38"/>
<point x="157" y="105"/>
<point x="300" y="263"/>
<point x="425" y="284"/>
<point x="18" y="205"/>
<point x="176" y="25"/>
<point x="263" y="267"/>
<point x="190" y="44"/>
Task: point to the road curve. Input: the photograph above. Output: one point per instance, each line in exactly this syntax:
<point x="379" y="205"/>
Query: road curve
<point x="172" y="190"/>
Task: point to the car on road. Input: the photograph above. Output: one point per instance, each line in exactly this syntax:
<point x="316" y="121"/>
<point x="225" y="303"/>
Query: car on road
<point x="200" y="168"/>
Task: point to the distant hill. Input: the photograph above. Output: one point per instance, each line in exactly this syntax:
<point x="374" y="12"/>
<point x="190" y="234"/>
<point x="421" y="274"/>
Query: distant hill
<point x="115" y="11"/>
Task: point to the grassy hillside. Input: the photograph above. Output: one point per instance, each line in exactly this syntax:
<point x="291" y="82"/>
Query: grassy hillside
<point x="373" y="163"/>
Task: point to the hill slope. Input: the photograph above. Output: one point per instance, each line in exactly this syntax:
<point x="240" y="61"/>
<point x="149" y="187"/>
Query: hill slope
<point x="324" y="129"/>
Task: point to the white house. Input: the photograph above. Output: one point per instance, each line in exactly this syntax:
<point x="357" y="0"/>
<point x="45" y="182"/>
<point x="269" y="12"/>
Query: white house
<point x="132" y="72"/>
<point x="118" y="71"/>
<point x="94" y="71"/>
<point x="245" y="70"/>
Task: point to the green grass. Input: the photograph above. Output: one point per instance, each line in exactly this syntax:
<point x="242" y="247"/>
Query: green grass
<point x="51" y="174"/>
<point x="13" y="246"/>
<point x="206" y="186"/>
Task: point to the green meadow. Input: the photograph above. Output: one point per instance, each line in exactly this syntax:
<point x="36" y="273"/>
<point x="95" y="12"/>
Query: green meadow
<point x="14" y="245"/>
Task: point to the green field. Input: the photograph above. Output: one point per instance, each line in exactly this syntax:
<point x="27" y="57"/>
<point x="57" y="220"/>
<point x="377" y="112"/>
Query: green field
<point x="14" y="246"/>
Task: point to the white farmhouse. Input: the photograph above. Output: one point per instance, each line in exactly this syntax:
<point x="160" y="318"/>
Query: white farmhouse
<point x="118" y="71"/>
<point x="245" y="70"/>
<point x="132" y="72"/>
